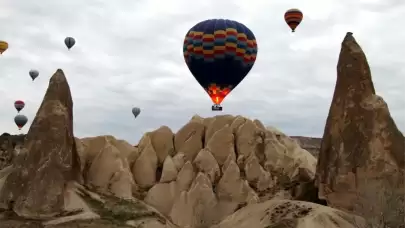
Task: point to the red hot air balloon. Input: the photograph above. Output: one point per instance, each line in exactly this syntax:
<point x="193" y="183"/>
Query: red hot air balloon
<point x="293" y="18"/>
<point x="19" y="105"/>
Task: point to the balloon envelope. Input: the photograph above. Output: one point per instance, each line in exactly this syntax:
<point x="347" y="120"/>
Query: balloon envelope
<point x="219" y="53"/>
<point x="3" y="46"/>
<point x="33" y="74"/>
<point x="20" y="121"/>
<point x="19" y="105"/>
<point x="70" y="42"/>
<point x="136" y="111"/>
<point x="293" y="18"/>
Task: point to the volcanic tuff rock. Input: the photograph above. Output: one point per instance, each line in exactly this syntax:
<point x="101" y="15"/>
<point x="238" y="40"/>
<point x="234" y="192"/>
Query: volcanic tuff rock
<point x="52" y="157"/>
<point x="9" y="146"/>
<point x="362" y="151"/>
<point x="266" y="168"/>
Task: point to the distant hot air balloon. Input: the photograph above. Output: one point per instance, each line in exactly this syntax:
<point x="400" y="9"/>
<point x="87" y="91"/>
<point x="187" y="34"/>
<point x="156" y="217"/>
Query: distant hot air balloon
<point x="70" y="42"/>
<point x="19" y="105"/>
<point x="3" y="46"/>
<point x="136" y="111"/>
<point x="20" y="121"/>
<point x="33" y="74"/>
<point x="219" y="53"/>
<point x="293" y="18"/>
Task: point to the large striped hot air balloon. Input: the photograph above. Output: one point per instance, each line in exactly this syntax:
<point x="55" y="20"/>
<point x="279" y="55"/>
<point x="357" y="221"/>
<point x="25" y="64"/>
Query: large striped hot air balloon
<point x="293" y="18"/>
<point x="219" y="53"/>
<point x="3" y="46"/>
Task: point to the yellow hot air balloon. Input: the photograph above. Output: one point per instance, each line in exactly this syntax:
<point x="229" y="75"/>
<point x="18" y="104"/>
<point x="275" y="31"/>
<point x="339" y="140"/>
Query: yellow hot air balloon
<point x="3" y="46"/>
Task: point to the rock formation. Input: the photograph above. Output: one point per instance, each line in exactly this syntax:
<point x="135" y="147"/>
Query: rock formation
<point x="55" y="178"/>
<point x="290" y="214"/>
<point x="362" y="151"/>
<point x="9" y="146"/>
<point x="48" y="159"/>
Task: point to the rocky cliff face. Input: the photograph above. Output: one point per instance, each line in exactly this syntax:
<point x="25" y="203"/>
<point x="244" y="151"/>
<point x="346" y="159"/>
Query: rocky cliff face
<point x="361" y="159"/>
<point x="9" y="147"/>
<point x="220" y="172"/>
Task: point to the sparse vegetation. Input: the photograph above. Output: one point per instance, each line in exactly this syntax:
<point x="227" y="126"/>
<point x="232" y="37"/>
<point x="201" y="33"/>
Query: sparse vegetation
<point x="119" y="211"/>
<point x="284" y="223"/>
<point x="114" y="212"/>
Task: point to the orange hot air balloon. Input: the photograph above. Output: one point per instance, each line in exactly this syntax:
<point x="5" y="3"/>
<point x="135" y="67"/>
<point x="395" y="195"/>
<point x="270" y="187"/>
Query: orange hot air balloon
<point x="3" y="46"/>
<point x="293" y="18"/>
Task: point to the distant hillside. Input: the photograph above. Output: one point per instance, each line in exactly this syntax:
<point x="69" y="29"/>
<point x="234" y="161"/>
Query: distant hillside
<point x="313" y="145"/>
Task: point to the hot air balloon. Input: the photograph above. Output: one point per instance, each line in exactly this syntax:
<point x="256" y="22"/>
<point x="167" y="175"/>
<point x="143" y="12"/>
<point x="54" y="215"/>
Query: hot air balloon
<point x="219" y="53"/>
<point x="19" y="105"/>
<point x="136" y="111"/>
<point x="293" y="17"/>
<point x="34" y="74"/>
<point x="70" y="42"/>
<point x="3" y="46"/>
<point x="20" y="121"/>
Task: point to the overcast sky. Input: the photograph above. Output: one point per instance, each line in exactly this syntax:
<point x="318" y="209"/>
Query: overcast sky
<point x="129" y="53"/>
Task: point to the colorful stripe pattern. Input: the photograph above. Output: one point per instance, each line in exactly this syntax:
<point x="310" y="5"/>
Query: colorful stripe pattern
<point x="293" y="17"/>
<point x="219" y="53"/>
<point x="215" y="39"/>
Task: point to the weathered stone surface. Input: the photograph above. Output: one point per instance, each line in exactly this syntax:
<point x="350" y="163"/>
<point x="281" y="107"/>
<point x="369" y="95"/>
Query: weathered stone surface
<point x="215" y="124"/>
<point x="161" y="196"/>
<point x="106" y="165"/>
<point x="162" y="141"/>
<point x="185" y="177"/>
<point x="179" y="160"/>
<point x="199" y="202"/>
<point x="206" y="163"/>
<point x="9" y="146"/>
<point x="290" y="214"/>
<point x="188" y="140"/>
<point x="221" y="144"/>
<point x="145" y="167"/>
<point x="169" y="171"/>
<point x="36" y="187"/>
<point x="361" y="144"/>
